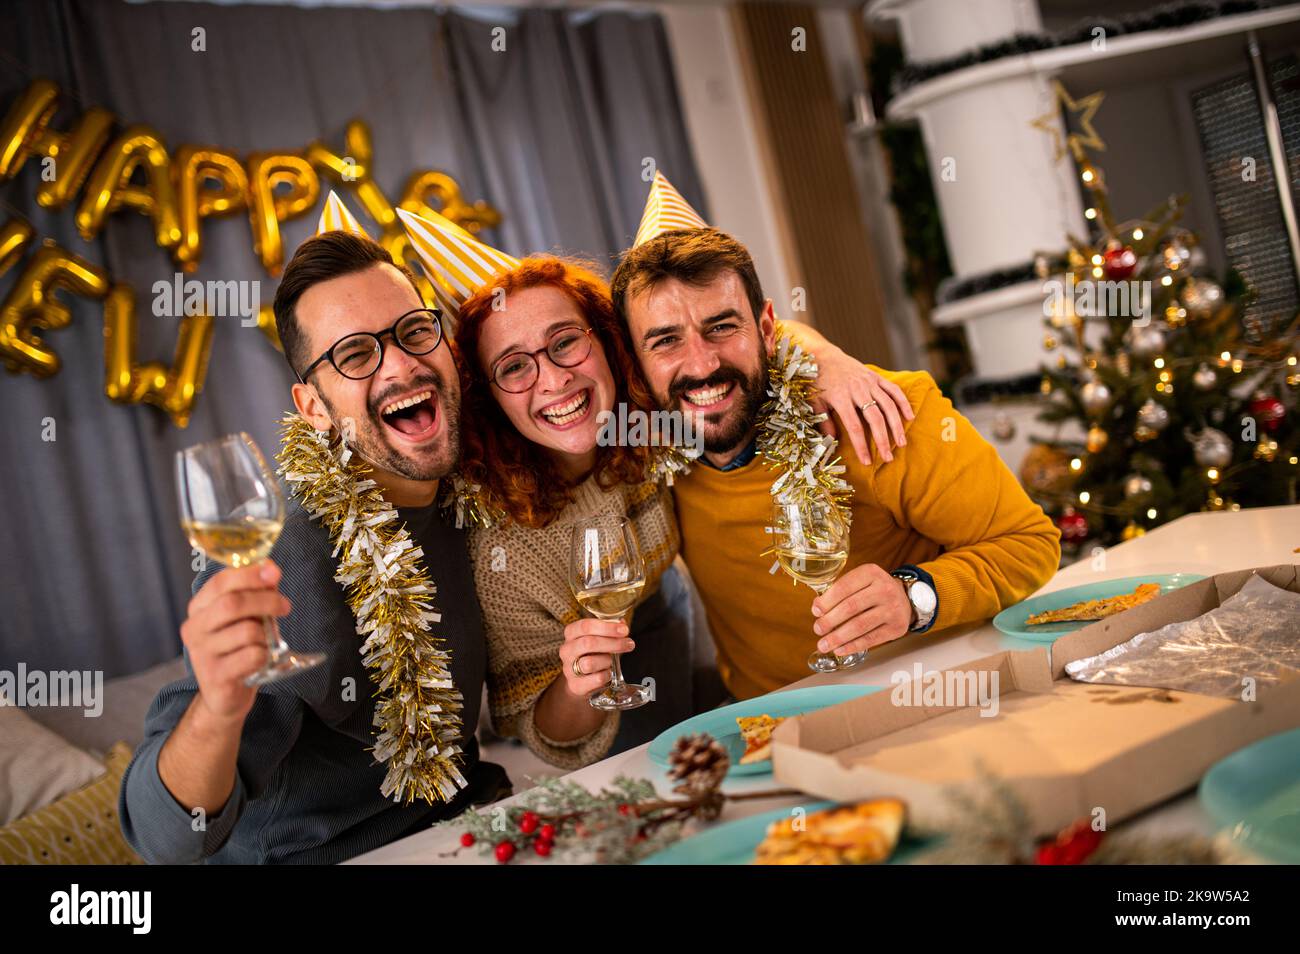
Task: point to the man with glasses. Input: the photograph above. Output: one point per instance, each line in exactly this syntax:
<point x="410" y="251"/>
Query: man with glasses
<point x="228" y="773"/>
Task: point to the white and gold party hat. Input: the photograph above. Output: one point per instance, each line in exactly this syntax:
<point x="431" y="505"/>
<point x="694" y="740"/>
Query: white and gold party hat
<point x="456" y="262"/>
<point x="665" y="210"/>
<point x="335" y="217"/>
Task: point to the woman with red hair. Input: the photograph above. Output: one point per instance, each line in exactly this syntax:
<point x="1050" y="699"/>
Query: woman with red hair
<point x="543" y="365"/>
<point x="541" y="358"/>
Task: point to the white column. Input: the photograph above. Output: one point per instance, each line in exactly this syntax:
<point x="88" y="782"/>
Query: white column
<point x="1003" y="196"/>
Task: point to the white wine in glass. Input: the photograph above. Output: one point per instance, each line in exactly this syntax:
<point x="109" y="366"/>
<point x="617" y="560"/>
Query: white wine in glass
<point x="812" y="546"/>
<point x="232" y="510"/>
<point x="607" y="575"/>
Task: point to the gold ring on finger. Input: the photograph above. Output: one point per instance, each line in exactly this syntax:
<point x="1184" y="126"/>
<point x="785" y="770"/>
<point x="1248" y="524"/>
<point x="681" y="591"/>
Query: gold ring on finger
<point x="577" y="667"/>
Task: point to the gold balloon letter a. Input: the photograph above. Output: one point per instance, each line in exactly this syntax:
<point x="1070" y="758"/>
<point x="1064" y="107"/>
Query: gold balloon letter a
<point x="110" y="187"/>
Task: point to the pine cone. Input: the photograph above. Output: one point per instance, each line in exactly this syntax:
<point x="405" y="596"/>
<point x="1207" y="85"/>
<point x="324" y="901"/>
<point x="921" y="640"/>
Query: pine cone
<point x="698" y="763"/>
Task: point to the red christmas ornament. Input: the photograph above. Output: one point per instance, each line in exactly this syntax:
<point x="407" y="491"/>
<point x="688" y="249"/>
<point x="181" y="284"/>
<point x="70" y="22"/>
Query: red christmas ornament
<point x="467" y="840"/>
<point x="625" y="809"/>
<point x="1072" y="846"/>
<point x="505" y="850"/>
<point x="1073" y="526"/>
<point x="1119" y="263"/>
<point x="542" y="847"/>
<point x="547" y="832"/>
<point x="1269" y="411"/>
<point x="528" y="823"/>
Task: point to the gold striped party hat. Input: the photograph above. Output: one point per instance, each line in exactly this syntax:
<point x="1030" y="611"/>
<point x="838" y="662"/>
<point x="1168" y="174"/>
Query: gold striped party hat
<point x="665" y="210"/>
<point x="335" y="217"/>
<point x="456" y="262"/>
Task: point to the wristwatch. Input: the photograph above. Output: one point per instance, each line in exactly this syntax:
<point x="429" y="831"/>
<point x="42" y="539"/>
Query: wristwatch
<point x="922" y="597"/>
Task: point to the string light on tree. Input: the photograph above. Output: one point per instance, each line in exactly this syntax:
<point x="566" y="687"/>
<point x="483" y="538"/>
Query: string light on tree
<point x="1137" y="485"/>
<point x="1151" y="388"/>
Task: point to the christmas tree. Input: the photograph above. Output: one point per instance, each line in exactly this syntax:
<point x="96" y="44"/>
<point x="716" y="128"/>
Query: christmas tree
<point x="1184" y="407"/>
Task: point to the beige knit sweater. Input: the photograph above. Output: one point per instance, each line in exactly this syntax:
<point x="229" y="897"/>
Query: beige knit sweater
<point x="522" y="577"/>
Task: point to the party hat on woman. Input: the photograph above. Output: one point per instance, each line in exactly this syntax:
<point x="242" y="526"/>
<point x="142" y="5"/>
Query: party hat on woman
<point x="456" y="262"/>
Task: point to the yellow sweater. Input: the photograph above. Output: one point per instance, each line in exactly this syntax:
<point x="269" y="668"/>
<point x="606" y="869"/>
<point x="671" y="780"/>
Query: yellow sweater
<point x="946" y="503"/>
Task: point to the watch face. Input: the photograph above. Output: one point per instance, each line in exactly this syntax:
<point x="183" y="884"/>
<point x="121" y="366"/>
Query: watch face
<point x="923" y="597"/>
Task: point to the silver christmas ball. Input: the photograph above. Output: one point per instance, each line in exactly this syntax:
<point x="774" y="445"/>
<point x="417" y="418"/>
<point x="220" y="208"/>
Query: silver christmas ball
<point x="1201" y="297"/>
<point x="1135" y="485"/>
<point x="1146" y="342"/>
<point x="1003" y="427"/>
<point x="1205" y="378"/>
<point x="1153" y="415"/>
<point x="1095" y="396"/>
<point x="1212" y="448"/>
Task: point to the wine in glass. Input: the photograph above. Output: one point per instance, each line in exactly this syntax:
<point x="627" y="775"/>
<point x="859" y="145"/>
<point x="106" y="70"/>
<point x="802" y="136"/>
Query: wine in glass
<point x="232" y="510"/>
<point x="607" y="574"/>
<point x="812" y="546"/>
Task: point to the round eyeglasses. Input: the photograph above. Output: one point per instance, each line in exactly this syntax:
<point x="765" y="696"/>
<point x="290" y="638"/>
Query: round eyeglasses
<point x="359" y="355"/>
<point x="517" y="371"/>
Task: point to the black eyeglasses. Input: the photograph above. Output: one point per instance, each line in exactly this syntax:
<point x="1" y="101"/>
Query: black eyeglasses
<point x="359" y="355"/>
<point x="517" y="372"/>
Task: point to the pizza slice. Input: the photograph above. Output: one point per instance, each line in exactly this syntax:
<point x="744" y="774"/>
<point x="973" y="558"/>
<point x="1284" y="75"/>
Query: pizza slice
<point x="756" y="733"/>
<point x="1097" y="609"/>
<point x="861" y="834"/>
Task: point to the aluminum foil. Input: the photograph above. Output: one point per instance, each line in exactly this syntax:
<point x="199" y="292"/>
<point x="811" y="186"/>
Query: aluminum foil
<point x="1253" y="634"/>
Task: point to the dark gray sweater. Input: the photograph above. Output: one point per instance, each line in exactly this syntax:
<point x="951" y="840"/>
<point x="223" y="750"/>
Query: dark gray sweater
<point x="307" y="789"/>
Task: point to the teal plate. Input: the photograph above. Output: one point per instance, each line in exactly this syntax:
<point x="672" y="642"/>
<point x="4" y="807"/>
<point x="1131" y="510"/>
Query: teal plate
<point x="1255" y="794"/>
<point x="734" y="843"/>
<point x="1012" y="619"/>
<point x="721" y="723"/>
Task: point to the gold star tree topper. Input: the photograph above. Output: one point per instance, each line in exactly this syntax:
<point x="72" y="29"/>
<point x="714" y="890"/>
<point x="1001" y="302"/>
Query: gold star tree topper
<point x="1084" y="108"/>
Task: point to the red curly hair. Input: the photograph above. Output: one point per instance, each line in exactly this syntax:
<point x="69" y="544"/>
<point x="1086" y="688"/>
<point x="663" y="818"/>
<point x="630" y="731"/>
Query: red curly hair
<point x="519" y="476"/>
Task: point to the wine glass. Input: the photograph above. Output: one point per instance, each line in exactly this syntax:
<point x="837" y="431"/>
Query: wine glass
<point x="812" y="545"/>
<point x="232" y="510"/>
<point x="607" y="574"/>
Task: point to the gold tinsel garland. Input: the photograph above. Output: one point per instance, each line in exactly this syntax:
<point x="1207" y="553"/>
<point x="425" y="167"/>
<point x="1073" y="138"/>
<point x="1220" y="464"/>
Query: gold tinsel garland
<point x="788" y="437"/>
<point x="417" y="710"/>
<point x="470" y="503"/>
<point x="670" y="462"/>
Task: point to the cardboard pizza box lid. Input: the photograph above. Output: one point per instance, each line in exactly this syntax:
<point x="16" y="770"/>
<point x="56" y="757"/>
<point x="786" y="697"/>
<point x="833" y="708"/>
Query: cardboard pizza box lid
<point x="1067" y="748"/>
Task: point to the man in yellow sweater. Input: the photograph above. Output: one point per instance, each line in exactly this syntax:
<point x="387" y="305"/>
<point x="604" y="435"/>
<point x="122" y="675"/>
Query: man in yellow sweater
<point x="942" y="534"/>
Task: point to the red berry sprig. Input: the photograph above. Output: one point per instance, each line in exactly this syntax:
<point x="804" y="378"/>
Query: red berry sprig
<point x="1072" y="846"/>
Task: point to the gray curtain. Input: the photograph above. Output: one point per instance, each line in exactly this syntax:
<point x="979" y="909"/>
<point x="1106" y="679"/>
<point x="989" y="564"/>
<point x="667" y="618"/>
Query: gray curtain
<point x="94" y="571"/>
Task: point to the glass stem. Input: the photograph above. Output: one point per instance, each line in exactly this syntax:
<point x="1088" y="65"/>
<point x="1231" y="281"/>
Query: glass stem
<point x="275" y="643"/>
<point x="616" y="672"/>
<point x="819" y="589"/>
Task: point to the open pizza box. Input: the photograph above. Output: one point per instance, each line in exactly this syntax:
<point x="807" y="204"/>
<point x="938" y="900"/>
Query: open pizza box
<point x="1065" y="747"/>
